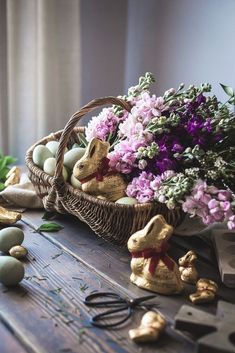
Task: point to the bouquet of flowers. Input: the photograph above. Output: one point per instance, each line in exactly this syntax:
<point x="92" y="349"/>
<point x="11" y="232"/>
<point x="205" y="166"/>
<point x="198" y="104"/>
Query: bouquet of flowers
<point x="177" y="149"/>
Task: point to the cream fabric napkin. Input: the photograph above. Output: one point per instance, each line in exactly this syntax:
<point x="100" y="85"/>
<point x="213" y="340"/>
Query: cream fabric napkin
<point x="20" y="195"/>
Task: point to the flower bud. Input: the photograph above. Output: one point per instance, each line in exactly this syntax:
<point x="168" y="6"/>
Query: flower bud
<point x="142" y="164"/>
<point x="169" y="92"/>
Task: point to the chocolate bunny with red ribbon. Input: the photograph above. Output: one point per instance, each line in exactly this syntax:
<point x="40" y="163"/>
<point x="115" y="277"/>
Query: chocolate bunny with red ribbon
<point x="93" y="171"/>
<point x="151" y="267"/>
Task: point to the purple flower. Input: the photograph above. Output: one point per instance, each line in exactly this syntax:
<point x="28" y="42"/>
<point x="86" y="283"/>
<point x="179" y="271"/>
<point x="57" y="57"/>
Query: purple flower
<point x="194" y="125"/>
<point x="191" y="106"/>
<point x="200" y="99"/>
<point x="177" y="147"/>
<point x="165" y="164"/>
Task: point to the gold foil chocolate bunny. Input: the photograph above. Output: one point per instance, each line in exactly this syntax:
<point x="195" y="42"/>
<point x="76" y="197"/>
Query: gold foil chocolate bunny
<point x="205" y="293"/>
<point x="13" y="176"/>
<point x="151" y="267"/>
<point x="152" y="324"/>
<point x="92" y="170"/>
<point x="187" y="268"/>
<point x="9" y="217"/>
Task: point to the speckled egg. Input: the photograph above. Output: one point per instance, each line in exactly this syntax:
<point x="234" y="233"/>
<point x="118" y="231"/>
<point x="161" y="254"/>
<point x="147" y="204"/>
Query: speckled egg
<point x="127" y="201"/>
<point x="75" y="145"/>
<point x="53" y="147"/>
<point x="75" y="182"/>
<point x="72" y="156"/>
<point x="10" y="237"/>
<point x="40" y="154"/>
<point x="49" y="167"/>
<point x="11" y="271"/>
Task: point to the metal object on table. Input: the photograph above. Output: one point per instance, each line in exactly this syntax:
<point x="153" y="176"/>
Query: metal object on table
<point x="115" y="305"/>
<point x="224" y="242"/>
<point x="217" y="333"/>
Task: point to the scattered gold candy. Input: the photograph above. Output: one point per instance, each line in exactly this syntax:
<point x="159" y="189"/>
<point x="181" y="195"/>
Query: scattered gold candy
<point x="187" y="268"/>
<point x="205" y="291"/>
<point x="13" y="176"/>
<point x="9" y="217"/>
<point x="18" y="251"/>
<point x="152" y="324"/>
<point x="151" y="267"/>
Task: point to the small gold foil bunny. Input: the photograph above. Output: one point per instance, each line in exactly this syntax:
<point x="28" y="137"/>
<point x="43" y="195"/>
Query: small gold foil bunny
<point x="9" y="217"/>
<point x="152" y="324"/>
<point x="13" y="176"/>
<point x="205" y="291"/>
<point x="187" y="268"/>
<point x="151" y="267"/>
<point x="92" y="170"/>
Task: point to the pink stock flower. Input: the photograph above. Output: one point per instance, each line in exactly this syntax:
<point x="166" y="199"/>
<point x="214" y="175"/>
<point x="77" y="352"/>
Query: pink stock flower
<point x="210" y="204"/>
<point x="102" y="125"/>
<point x="194" y="207"/>
<point x="147" y="106"/>
<point x="223" y="195"/>
<point x="166" y="127"/>
<point x="144" y="187"/>
<point x="231" y="222"/>
<point x="123" y="158"/>
<point x="132" y="127"/>
<point x="140" y="188"/>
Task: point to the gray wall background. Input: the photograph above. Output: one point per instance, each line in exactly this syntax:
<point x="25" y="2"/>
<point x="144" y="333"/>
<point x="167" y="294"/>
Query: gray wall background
<point x="56" y="55"/>
<point x="189" y="41"/>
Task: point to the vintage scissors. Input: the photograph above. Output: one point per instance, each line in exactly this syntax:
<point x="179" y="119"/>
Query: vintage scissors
<point x="117" y="304"/>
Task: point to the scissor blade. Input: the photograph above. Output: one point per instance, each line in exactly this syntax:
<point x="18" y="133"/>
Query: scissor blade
<point x="137" y="301"/>
<point x="105" y="303"/>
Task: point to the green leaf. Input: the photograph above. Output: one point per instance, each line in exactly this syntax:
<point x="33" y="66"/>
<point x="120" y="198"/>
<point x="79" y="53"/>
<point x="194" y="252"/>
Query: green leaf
<point x="232" y="101"/>
<point x="2" y="163"/>
<point x="233" y="203"/>
<point x="2" y="186"/>
<point x="82" y="139"/>
<point x="10" y="160"/>
<point x="5" y="161"/>
<point x="228" y="90"/>
<point x="49" y="227"/>
<point x="49" y="215"/>
<point x="3" y="173"/>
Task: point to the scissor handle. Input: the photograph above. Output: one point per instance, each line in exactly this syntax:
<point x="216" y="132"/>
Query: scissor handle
<point x="90" y="300"/>
<point x="96" y="320"/>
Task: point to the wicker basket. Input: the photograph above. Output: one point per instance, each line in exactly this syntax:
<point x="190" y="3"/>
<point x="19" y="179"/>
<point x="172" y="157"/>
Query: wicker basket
<point x="113" y="222"/>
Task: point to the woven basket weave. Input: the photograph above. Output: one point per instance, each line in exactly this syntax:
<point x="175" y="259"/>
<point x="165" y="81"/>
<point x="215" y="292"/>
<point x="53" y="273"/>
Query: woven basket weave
<point x="113" y="222"/>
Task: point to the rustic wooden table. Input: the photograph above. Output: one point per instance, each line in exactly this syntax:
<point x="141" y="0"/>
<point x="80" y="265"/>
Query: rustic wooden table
<point x="46" y="314"/>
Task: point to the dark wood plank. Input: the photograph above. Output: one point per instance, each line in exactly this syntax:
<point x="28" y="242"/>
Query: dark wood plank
<point x="47" y="313"/>
<point x="9" y="342"/>
<point x="114" y="262"/>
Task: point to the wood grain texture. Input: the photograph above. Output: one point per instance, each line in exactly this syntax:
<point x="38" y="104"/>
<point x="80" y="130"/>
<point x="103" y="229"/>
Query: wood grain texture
<point x="113" y="262"/>
<point x="9" y="342"/>
<point x="46" y="311"/>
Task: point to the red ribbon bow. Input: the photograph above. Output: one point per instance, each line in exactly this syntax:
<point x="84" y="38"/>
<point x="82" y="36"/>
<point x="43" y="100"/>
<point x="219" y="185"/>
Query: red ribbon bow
<point x="155" y="256"/>
<point x="102" y="170"/>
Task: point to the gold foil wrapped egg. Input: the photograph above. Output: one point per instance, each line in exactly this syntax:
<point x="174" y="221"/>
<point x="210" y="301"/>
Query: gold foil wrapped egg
<point x="18" y="251"/>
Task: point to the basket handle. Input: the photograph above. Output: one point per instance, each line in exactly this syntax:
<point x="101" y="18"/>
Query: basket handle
<point x="58" y="178"/>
